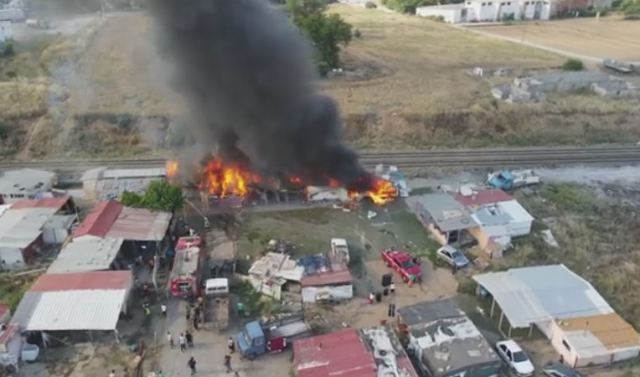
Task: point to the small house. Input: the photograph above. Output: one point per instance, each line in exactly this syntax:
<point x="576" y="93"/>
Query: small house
<point x="445" y="218"/>
<point x="327" y="286"/>
<point x="445" y="343"/>
<point x="566" y="308"/>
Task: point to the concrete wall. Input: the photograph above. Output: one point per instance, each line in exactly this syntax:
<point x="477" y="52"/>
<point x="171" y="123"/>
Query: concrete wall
<point x="572" y="357"/>
<point x="451" y="16"/>
<point x="521" y="228"/>
<point x="6" y="31"/>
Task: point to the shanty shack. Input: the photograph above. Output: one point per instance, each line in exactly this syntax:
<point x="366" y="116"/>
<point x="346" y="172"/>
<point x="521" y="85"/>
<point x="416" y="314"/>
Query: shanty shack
<point x="444" y="342"/>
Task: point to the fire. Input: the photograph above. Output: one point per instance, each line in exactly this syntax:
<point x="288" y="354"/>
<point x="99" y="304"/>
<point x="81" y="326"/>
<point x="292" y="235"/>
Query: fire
<point x="297" y="181"/>
<point x="381" y="193"/>
<point x="226" y="180"/>
<point x="172" y="168"/>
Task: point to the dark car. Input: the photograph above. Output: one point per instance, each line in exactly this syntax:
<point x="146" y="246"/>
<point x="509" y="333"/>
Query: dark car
<point x="560" y="370"/>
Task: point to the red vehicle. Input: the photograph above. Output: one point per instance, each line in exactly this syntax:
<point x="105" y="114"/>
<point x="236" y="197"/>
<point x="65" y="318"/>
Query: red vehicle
<point x="404" y="263"/>
<point x="184" y="280"/>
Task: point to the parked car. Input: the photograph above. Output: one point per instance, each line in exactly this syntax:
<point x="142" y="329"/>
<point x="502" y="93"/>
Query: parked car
<point x="515" y="357"/>
<point x="452" y="256"/>
<point x="560" y="370"/>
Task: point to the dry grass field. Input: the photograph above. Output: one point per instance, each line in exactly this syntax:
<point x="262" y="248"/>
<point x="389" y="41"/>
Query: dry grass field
<point x="609" y="37"/>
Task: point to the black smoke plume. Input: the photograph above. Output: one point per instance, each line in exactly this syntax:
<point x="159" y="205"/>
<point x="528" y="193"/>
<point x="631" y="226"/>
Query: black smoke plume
<point x="248" y="77"/>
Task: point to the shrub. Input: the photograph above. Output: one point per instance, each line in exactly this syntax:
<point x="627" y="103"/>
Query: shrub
<point x="573" y="65"/>
<point x="370" y="5"/>
<point x="357" y="33"/>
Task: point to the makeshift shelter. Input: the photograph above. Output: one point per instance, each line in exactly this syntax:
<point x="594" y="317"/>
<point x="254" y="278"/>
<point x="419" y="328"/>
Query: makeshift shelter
<point x="87" y="255"/>
<point x="81" y="301"/>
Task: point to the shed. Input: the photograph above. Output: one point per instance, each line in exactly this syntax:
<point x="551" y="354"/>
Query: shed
<point x="75" y="301"/>
<point x="330" y="285"/>
<point x="87" y="255"/>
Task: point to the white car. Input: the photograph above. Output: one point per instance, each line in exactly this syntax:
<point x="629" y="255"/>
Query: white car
<point x="515" y="357"/>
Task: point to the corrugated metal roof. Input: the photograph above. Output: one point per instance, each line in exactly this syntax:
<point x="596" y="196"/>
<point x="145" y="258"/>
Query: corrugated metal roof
<point x="327" y="278"/>
<point x="533" y="294"/>
<point x="24" y="179"/>
<point x="482" y="198"/>
<point x="443" y="210"/>
<point x="100" y="220"/>
<point x="78" y="310"/>
<point x="341" y="353"/>
<point x="83" y="281"/>
<point x="56" y="203"/>
<point x="139" y="224"/>
<point x="20" y="227"/>
<point x="87" y="255"/>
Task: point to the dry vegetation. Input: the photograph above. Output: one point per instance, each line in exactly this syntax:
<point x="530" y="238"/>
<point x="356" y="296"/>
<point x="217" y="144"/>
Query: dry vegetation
<point x="418" y="95"/>
<point x="598" y="236"/>
<point x="609" y="37"/>
<point x="103" y="92"/>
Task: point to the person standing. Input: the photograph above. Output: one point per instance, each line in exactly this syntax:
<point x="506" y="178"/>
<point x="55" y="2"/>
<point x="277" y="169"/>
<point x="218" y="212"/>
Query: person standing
<point x="170" y="339"/>
<point x="372" y="298"/>
<point x="113" y="373"/>
<point x="183" y="342"/>
<point x="192" y="365"/>
<point x="392" y="288"/>
<point x="231" y="345"/>
<point x="163" y="309"/>
<point x="195" y="322"/>
<point x="189" y="338"/>
<point x="227" y="362"/>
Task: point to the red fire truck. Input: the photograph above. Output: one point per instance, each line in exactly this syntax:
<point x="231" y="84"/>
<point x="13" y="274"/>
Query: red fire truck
<point x="184" y="280"/>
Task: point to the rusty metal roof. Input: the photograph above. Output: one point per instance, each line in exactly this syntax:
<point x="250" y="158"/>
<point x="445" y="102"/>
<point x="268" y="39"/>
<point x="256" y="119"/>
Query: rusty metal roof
<point x="341" y="353"/>
<point x="482" y="198"/>
<point x="41" y="203"/>
<point x="139" y="224"/>
<point x="82" y="281"/>
<point x="327" y="278"/>
<point x="100" y="220"/>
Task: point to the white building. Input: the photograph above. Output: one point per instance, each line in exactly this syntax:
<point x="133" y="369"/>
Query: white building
<point x="489" y="11"/>
<point x="580" y="324"/>
<point x="109" y="184"/>
<point x="25" y="184"/>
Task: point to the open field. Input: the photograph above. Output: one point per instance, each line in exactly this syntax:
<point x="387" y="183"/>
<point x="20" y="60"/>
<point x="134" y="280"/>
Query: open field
<point x="609" y="37"/>
<point x="103" y="92"/>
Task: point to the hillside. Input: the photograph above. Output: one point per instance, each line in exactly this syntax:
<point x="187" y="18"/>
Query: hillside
<point x="102" y="92"/>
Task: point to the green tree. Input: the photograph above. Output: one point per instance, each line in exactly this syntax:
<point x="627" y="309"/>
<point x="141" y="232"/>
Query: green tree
<point x="326" y="32"/>
<point x="131" y="199"/>
<point x="631" y="9"/>
<point x="159" y="195"/>
<point x="573" y="65"/>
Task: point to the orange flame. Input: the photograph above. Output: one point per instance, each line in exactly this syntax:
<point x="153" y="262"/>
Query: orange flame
<point x="383" y="192"/>
<point x="295" y="181"/>
<point x="172" y="168"/>
<point x="226" y="180"/>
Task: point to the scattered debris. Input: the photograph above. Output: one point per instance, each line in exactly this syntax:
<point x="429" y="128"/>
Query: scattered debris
<point x="549" y="239"/>
<point x="618" y="66"/>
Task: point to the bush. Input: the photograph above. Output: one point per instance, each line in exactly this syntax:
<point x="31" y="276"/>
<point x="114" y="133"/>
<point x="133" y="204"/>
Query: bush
<point x="631" y="9"/>
<point x="357" y="34"/>
<point x="7" y="49"/>
<point x="573" y="65"/>
<point x="370" y="5"/>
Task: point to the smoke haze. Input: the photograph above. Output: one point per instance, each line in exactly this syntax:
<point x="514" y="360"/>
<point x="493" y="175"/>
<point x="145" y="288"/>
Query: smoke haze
<point x="248" y="77"/>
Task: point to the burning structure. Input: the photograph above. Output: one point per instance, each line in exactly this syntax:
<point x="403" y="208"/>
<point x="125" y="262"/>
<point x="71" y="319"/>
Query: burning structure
<point x="249" y="80"/>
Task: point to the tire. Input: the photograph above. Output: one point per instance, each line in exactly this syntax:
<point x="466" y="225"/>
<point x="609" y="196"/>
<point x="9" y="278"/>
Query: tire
<point x="251" y="356"/>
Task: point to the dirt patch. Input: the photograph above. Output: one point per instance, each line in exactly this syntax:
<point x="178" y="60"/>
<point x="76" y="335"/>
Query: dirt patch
<point x="607" y="37"/>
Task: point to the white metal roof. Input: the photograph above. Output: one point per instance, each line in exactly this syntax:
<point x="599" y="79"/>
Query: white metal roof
<point x="515" y="211"/>
<point x="87" y="254"/>
<point x="13" y="181"/>
<point x="20" y="227"/>
<point x="530" y="295"/>
<point x="105" y="173"/>
<point x="77" y="310"/>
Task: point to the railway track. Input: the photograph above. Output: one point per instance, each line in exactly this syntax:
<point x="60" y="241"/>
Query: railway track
<point x="465" y="158"/>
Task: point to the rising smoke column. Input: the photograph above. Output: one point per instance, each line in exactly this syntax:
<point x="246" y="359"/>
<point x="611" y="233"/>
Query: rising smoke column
<point x="249" y="79"/>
